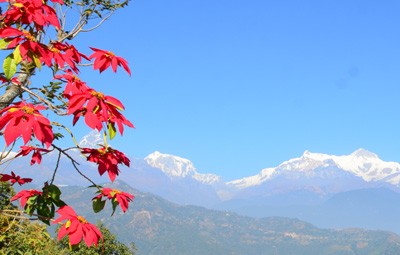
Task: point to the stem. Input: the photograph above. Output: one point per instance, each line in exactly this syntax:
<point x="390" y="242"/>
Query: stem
<point x="55" y="170"/>
<point x="74" y="163"/>
<point x="69" y="131"/>
<point x="41" y="99"/>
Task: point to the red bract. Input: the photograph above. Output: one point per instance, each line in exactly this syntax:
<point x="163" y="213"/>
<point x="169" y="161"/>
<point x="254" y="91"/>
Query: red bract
<point x="24" y="195"/>
<point x="13" y="80"/>
<point x="104" y="59"/>
<point x="120" y="120"/>
<point x="23" y="119"/>
<point x="36" y="156"/>
<point x="27" y="43"/>
<point x="96" y="108"/>
<point x="107" y="160"/>
<point x="28" y="12"/>
<point x="74" y="83"/>
<point x="63" y="53"/>
<point x="122" y="198"/>
<point x="13" y="178"/>
<point x="76" y="227"/>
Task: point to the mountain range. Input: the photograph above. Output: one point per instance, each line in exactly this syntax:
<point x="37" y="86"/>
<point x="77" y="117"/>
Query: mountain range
<point x="157" y="226"/>
<point x="314" y="187"/>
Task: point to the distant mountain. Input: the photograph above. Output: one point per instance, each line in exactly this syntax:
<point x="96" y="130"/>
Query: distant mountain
<point x="302" y="187"/>
<point x="362" y="164"/>
<point x="157" y="226"/>
<point x="366" y="208"/>
<point x="174" y="166"/>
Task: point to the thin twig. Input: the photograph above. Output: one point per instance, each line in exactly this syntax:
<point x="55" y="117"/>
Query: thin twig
<point x="48" y="103"/>
<point x="69" y="131"/>
<point x="74" y="163"/>
<point x="55" y="170"/>
<point x="99" y="24"/>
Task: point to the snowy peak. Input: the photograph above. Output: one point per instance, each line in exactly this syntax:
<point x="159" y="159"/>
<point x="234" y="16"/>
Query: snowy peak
<point x="364" y="154"/>
<point x="361" y="163"/>
<point x="171" y="165"/>
<point x="91" y="140"/>
<point x="174" y="166"/>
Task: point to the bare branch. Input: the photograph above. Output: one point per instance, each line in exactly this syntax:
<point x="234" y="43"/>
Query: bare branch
<point x="74" y="163"/>
<point x="100" y="23"/>
<point x="56" y="168"/>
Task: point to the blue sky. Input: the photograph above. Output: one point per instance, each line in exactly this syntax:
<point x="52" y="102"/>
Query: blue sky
<point x="237" y="86"/>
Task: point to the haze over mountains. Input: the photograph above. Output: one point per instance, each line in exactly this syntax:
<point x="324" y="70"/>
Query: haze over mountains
<point x="157" y="226"/>
<point x="314" y="187"/>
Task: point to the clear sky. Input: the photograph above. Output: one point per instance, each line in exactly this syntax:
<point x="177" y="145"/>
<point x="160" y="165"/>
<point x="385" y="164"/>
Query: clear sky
<point x="237" y="86"/>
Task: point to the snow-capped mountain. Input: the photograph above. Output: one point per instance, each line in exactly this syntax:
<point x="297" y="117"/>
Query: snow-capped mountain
<point x="91" y="140"/>
<point x="174" y="166"/>
<point x="361" y="163"/>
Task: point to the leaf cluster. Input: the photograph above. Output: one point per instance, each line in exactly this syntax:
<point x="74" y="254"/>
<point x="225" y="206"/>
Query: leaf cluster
<point x="45" y="205"/>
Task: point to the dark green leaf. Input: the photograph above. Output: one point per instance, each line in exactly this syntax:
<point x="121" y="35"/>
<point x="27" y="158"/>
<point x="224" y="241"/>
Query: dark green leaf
<point x="98" y="205"/>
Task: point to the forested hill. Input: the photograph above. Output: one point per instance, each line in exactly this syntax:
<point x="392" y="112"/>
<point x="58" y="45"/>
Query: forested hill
<point x="157" y="226"/>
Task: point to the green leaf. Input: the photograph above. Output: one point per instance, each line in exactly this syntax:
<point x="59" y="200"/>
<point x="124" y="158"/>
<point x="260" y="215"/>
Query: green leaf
<point x="31" y="200"/>
<point x="9" y="66"/>
<point x="37" y="61"/>
<point x="17" y="55"/>
<point x="112" y="131"/>
<point x="29" y="209"/>
<point x="4" y="43"/>
<point x="54" y="193"/>
<point x="114" y="203"/>
<point x="98" y="205"/>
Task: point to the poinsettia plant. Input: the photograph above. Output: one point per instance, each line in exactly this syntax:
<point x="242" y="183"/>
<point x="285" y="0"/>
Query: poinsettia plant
<point x="34" y="34"/>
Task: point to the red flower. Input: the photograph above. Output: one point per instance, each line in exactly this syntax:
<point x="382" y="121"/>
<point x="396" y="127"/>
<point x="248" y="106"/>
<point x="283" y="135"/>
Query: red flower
<point x="95" y="106"/>
<point x="28" y="46"/>
<point x="120" y="119"/>
<point x="24" y="195"/>
<point x="122" y="198"/>
<point x="36" y="156"/>
<point x="23" y="119"/>
<point x="14" y="179"/>
<point x="63" y="53"/>
<point x="104" y="59"/>
<point x="107" y="160"/>
<point x="31" y="11"/>
<point x="74" y="83"/>
<point x="76" y="227"/>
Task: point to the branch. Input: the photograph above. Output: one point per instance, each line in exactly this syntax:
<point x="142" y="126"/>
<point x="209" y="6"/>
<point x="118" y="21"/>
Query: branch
<point x="55" y="170"/>
<point x="48" y="103"/>
<point x="14" y="89"/>
<point x="100" y="23"/>
<point x="74" y="163"/>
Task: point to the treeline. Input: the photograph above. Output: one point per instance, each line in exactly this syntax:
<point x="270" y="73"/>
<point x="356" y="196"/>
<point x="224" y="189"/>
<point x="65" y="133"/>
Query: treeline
<point x="20" y="235"/>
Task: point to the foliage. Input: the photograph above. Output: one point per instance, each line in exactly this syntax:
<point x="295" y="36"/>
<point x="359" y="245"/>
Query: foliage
<point x="162" y="227"/>
<point x="18" y="235"/>
<point x="37" y="35"/>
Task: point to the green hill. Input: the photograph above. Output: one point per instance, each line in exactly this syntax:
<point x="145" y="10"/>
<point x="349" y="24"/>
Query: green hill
<point x="157" y="226"/>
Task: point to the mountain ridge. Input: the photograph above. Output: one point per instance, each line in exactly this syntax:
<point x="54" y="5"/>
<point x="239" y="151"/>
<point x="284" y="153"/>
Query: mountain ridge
<point x="158" y="226"/>
<point x="360" y="163"/>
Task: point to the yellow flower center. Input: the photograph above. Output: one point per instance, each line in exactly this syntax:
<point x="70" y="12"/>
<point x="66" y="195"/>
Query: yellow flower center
<point x="102" y="151"/>
<point x="55" y="50"/>
<point x="99" y="95"/>
<point x="28" y="110"/>
<point x="29" y="36"/>
<point x="81" y="219"/>
<point x="110" y="54"/>
<point x="116" y="191"/>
